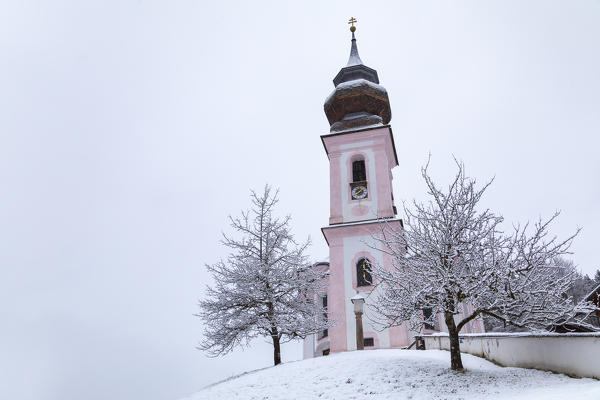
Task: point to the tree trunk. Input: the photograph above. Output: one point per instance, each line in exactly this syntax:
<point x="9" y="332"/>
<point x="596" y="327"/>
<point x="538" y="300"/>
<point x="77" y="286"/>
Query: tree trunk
<point x="276" y="347"/>
<point x="274" y="334"/>
<point x="455" y="360"/>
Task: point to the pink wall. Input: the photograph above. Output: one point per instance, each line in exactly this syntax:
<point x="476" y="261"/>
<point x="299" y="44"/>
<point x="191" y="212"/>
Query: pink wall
<point x="336" y="299"/>
<point x="375" y="146"/>
<point x="342" y="149"/>
<point x="340" y="269"/>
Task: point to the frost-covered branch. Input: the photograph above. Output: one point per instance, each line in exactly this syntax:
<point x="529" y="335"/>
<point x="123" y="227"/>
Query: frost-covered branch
<point x="265" y="288"/>
<point x="452" y="253"/>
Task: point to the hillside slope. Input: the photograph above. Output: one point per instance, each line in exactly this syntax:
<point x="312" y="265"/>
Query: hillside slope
<point x="398" y="374"/>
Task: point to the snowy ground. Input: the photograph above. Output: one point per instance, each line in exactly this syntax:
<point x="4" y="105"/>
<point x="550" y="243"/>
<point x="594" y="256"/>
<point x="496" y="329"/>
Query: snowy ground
<point x="398" y="374"/>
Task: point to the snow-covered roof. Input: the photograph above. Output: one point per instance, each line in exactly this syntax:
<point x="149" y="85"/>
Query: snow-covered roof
<point x="354" y="84"/>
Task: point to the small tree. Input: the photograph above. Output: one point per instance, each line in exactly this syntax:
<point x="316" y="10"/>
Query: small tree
<point x="265" y="288"/>
<point x="452" y="253"/>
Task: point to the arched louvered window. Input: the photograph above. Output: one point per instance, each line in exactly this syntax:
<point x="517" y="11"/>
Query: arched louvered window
<point x="363" y="272"/>
<point x="359" y="173"/>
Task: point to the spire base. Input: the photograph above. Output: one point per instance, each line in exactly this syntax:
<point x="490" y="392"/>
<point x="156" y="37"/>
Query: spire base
<point x="356" y="121"/>
<point x="354" y="72"/>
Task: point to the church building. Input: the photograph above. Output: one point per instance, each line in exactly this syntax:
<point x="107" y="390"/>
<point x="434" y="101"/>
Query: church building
<point x="361" y="151"/>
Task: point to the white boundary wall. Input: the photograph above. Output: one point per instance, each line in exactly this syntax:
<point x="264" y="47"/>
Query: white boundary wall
<point x="575" y="354"/>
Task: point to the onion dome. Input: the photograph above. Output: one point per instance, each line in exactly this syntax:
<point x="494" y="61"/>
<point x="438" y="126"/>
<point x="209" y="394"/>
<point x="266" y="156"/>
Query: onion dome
<point x="358" y="100"/>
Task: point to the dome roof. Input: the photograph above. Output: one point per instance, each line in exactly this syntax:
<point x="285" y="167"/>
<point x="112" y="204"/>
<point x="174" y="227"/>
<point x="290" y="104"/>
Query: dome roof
<point x="357" y="100"/>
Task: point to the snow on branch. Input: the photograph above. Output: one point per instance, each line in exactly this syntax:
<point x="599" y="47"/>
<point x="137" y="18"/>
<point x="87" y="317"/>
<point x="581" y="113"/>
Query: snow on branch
<point x="266" y="287"/>
<point x="451" y="253"/>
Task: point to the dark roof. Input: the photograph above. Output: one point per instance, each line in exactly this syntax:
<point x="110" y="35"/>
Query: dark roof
<point x="355" y="69"/>
<point x="594" y="295"/>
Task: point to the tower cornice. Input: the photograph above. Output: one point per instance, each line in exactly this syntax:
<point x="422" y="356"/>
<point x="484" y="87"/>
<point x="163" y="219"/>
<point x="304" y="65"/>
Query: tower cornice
<point x="372" y="226"/>
<point x="329" y="135"/>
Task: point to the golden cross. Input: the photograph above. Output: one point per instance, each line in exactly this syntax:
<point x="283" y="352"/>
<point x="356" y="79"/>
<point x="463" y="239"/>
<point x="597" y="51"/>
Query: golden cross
<point x="352" y="21"/>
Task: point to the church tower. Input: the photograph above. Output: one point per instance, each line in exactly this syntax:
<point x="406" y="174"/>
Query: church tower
<point x="361" y="151"/>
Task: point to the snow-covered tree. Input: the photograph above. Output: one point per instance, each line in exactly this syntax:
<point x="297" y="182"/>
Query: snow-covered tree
<point x="266" y="287"/>
<point x="581" y="286"/>
<point x="582" y="283"/>
<point x="453" y="253"/>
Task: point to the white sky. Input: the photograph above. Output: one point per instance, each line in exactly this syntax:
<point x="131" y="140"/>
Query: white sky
<point x="129" y="130"/>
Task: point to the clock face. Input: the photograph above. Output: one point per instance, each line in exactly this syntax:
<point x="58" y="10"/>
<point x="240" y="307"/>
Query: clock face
<point x="359" y="192"/>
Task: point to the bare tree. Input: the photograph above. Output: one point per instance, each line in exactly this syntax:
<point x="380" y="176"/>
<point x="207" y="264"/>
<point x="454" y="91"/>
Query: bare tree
<point x="452" y="253"/>
<point x="265" y="288"/>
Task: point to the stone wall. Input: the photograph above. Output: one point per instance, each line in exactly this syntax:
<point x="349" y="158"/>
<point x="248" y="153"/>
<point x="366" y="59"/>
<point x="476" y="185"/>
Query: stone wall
<point x="574" y="354"/>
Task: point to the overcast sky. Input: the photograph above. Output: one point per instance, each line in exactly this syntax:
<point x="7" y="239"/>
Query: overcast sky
<point x="129" y="130"/>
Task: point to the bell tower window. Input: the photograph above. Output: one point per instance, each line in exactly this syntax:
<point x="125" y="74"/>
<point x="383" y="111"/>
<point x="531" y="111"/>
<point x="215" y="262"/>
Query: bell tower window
<point x="359" y="173"/>
<point x="363" y="272"/>
<point x="358" y="186"/>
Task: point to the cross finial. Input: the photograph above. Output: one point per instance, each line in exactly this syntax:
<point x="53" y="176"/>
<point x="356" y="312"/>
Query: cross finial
<point x="352" y="21"/>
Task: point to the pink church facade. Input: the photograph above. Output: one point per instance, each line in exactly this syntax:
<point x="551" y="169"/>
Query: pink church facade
<point x="361" y="152"/>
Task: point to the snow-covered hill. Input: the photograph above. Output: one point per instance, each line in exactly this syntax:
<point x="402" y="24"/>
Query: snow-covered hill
<point x="398" y="374"/>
